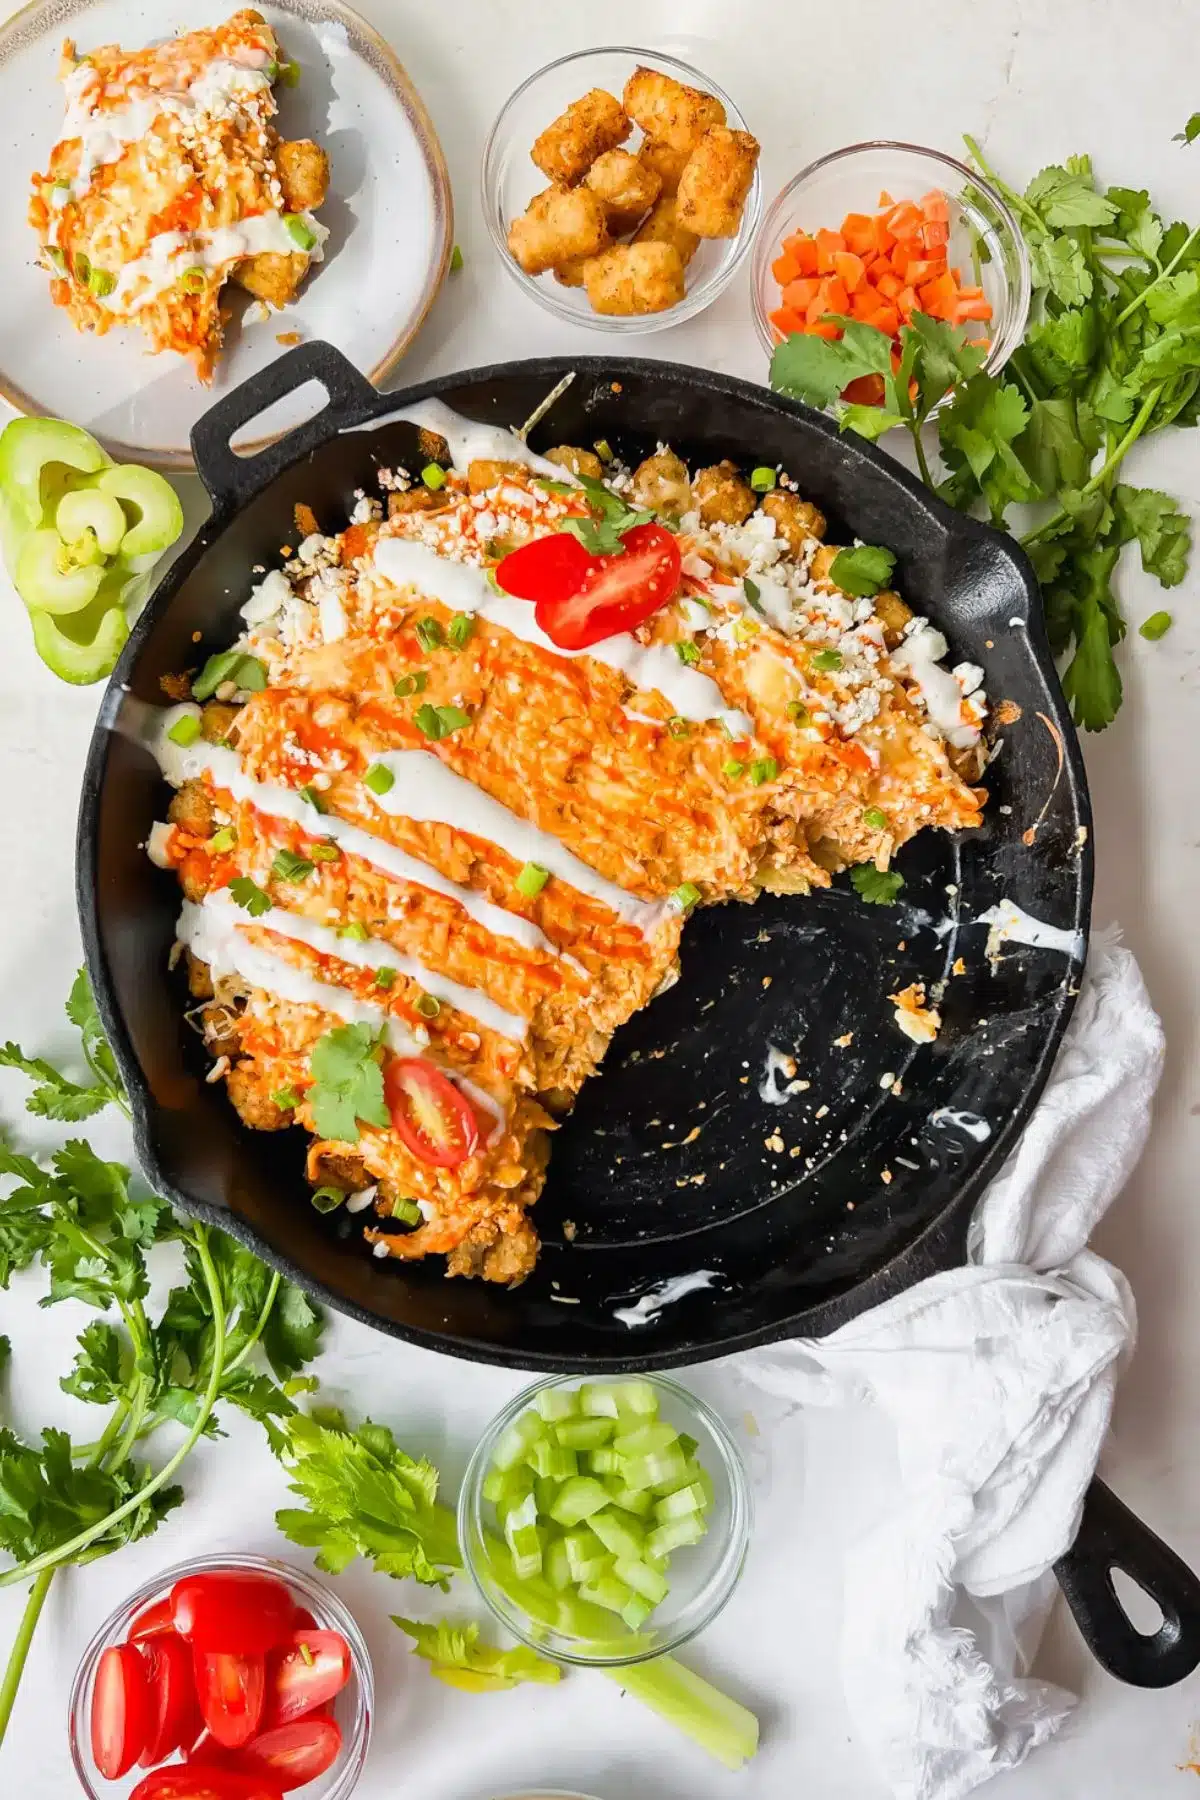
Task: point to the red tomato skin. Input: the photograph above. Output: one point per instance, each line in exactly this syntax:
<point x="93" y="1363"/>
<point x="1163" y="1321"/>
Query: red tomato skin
<point x="173" y="1715"/>
<point x="549" y="568"/>
<point x="232" y="1610"/>
<point x="151" y="1621"/>
<point x="302" y="1620"/>
<point x="619" y="595"/>
<point x="203" y="1781"/>
<point x="231" y="1691"/>
<point x="404" y="1072"/>
<point x="120" y="1710"/>
<point x="292" y="1754"/>
<point x="296" y="1688"/>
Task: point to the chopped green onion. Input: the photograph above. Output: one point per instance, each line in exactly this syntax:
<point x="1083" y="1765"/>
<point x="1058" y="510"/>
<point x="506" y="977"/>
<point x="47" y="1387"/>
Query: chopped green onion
<point x="532" y="880"/>
<point x="356" y="931"/>
<point x="100" y="282"/>
<point x="876" y="818"/>
<point x="677" y="725"/>
<point x="460" y="629"/>
<point x="289" y="74"/>
<point x="430" y="634"/>
<point x="762" y="480"/>
<point x="1156" y="626"/>
<point x="385" y="978"/>
<point x="456" y="260"/>
<point x="603" y="449"/>
<point x="416" y="683"/>
<point x="325" y="1200"/>
<point x="379" y="778"/>
<point x="306" y="1654"/>
<point x="185" y="730"/>
<point x="288" y="866"/>
<point x="687" y="651"/>
<point x="764" y="769"/>
<point x="245" y="672"/>
<point x="271" y="70"/>
<point x="745" y="629"/>
<point x="287" y="1099"/>
<point x="324" y="852"/>
<point x="686" y="895"/>
<point x="300" y="232"/>
<point x="797" y="712"/>
<point x="434" y="476"/>
<point x="407" y="1211"/>
<point x="752" y="591"/>
<point x="428" y="1005"/>
<point x="827" y="659"/>
<point x="82" y="267"/>
<point x="194" y="280"/>
<point x="732" y="768"/>
<point x="222" y="840"/>
<point x="314" y="799"/>
<point x="439" y="721"/>
<point x="56" y="259"/>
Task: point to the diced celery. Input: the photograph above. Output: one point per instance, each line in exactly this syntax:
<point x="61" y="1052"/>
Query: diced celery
<point x="586" y="1555"/>
<point x="650" y="1583"/>
<point x="583" y="1620"/>
<point x="603" y="1461"/>
<point x="636" y="1397"/>
<point x="710" y="1718"/>
<point x="630" y="1500"/>
<point x="545" y="1491"/>
<point x="675" y="1535"/>
<point x="647" y="1439"/>
<point x="578" y="1500"/>
<point x="517" y="1441"/>
<point x="534" y="1596"/>
<point x="555" y="1403"/>
<point x="550" y="1459"/>
<point x="684" y="1500"/>
<point x="493" y="1485"/>
<point x="664" y="1469"/>
<point x="525" y="1544"/>
<point x="606" y="1591"/>
<point x="688" y="1444"/>
<point x="598" y="1400"/>
<point x="623" y="1536"/>
<point x="516" y="1485"/>
<point x="556" y="1565"/>
<point x="636" y="1611"/>
<point x="583" y="1434"/>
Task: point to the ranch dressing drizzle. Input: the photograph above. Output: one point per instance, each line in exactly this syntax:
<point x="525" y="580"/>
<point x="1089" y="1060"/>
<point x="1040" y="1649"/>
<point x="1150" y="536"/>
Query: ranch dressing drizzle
<point x="171" y="253"/>
<point x="103" y="134"/>
<point x="919" y="657"/>
<point x="180" y="764"/>
<point x="973" y="1125"/>
<point x="403" y="562"/>
<point x="426" y="790"/>
<point x="1010" y="925"/>
<point x="647" y="1309"/>
<point x="212" y="933"/>
<point x="468" y="441"/>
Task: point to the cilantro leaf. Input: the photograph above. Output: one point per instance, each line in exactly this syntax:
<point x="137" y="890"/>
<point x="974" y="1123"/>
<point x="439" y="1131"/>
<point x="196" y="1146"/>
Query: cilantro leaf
<point x="878" y="886"/>
<point x="289" y="866"/>
<point x="456" y="1656"/>
<point x="863" y="570"/>
<point x="817" y="370"/>
<point x="292" y="1336"/>
<point x="945" y="357"/>
<point x="54" y="1096"/>
<point x="249" y="895"/>
<point x="1164" y="534"/>
<point x="977" y="431"/>
<point x="347" y="1083"/>
<point x="1067" y="196"/>
<point x="97" y="1375"/>
<point x="1190" y="132"/>
<point x="1056" y="447"/>
<point x="1090" y="680"/>
<point x="1059" y="265"/>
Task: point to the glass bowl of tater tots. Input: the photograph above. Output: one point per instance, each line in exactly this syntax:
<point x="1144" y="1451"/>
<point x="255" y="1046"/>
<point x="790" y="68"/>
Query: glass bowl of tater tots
<point x="621" y="189"/>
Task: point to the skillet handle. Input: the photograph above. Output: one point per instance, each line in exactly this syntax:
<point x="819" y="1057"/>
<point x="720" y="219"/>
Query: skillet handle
<point x="232" y="480"/>
<point x="1111" y="1537"/>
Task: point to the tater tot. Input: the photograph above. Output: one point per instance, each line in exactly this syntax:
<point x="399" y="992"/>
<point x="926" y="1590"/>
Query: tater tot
<point x="635" y="278"/>
<point x="558" y="225"/>
<point x="669" y="112"/>
<point x="661" y="226"/>
<point x="570" y="274"/>
<point x="566" y="150"/>
<point x="272" y="276"/>
<point x="627" y="186"/>
<point x="667" y="162"/>
<point x="303" y="174"/>
<point x="721" y="496"/>
<point x="715" y="182"/>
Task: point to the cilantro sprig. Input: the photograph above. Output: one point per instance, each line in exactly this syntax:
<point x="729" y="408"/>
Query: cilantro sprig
<point x="602" y="536"/>
<point x="90" y="1227"/>
<point x="347" y="1082"/>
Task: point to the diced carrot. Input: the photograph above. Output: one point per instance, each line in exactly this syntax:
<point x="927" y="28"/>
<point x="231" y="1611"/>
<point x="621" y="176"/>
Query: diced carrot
<point x="865" y="390"/>
<point x="971" y="309"/>
<point x="935" y="236"/>
<point x="888" y="285"/>
<point x="817" y="306"/>
<point x="801" y="292"/>
<point x="803" y="252"/>
<point x="858" y="229"/>
<point x="792" y="244"/>
<point x="785" y="268"/>
<point x="786" y="319"/>
<point x="957" y="274"/>
<point x="923" y="269"/>
<point x="939" y="298"/>
<point x="904" y="220"/>
<point x="906" y="302"/>
<point x="864" y="304"/>
<point x="828" y="245"/>
<point x="887" y="319"/>
<point x="837" y="300"/>
<point x="849" y="270"/>
<point x="885" y="199"/>
<point x="824" y="329"/>
<point x="935" y="207"/>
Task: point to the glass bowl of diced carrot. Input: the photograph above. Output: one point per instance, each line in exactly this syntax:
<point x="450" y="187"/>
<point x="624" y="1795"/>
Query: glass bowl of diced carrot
<point x="880" y="231"/>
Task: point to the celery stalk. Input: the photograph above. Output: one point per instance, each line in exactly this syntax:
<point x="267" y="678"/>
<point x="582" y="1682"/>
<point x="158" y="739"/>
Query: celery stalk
<point x="723" y="1727"/>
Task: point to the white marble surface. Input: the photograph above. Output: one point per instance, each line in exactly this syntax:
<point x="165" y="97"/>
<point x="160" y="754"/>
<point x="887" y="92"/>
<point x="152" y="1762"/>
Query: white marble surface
<point x="1035" y="82"/>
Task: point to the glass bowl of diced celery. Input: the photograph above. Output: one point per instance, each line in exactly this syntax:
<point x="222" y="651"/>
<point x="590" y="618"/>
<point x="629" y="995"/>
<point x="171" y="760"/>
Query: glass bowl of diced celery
<point x="605" y="1522"/>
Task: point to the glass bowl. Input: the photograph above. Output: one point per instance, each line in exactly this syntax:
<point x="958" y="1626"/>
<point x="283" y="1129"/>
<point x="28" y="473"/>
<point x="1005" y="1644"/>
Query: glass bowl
<point x="353" y="1707"/>
<point x="702" y="1576"/>
<point x="510" y="180"/>
<point x="851" y="180"/>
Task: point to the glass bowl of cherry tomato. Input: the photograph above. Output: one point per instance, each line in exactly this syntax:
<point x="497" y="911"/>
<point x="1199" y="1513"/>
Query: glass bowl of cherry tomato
<point x="225" y="1678"/>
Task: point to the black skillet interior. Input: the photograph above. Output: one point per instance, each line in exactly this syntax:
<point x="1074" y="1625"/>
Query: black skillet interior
<point x="684" y="1157"/>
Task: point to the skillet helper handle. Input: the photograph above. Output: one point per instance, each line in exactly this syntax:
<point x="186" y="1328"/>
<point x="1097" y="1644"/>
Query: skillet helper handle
<point x="232" y="480"/>
<point x="1111" y="1537"/>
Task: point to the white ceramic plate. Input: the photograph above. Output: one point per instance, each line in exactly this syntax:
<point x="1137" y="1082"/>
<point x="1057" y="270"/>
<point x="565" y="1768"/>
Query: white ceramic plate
<point x="389" y="214"/>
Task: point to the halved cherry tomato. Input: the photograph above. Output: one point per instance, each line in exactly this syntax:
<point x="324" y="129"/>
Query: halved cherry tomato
<point x="618" y="594"/>
<point x="231" y="1691"/>
<point x="173" y="1717"/>
<point x="435" y="1121"/>
<point x="302" y="1620"/>
<point x="548" y="568"/>
<point x="154" y="1619"/>
<point x="304" y="1674"/>
<point x="231" y="1609"/>
<point x="120" y="1710"/>
<point x="205" y="1781"/>
<point x="292" y="1754"/>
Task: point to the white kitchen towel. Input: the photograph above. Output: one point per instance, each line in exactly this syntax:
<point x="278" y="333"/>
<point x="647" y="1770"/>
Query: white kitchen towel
<point x="999" y="1379"/>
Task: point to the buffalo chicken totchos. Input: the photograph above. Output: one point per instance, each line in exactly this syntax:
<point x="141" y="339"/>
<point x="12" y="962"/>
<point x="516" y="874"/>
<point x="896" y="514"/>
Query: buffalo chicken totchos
<point x="169" y="180"/>
<point x="443" y="809"/>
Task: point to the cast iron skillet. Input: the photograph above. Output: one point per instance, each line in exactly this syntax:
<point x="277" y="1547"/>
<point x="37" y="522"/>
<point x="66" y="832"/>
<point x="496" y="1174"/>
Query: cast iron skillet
<point x="795" y="1215"/>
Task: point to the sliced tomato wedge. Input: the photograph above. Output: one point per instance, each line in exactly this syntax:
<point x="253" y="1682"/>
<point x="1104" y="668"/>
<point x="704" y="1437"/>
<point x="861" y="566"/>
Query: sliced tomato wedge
<point x="205" y="1781"/>
<point x="548" y="568"/>
<point x="231" y="1691"/>
<point x="430" y="1114"/>
<point x="302" y="1620"/>
<point x="120" y="1710"/>
<point x="292" y="1754"/>
<point x="173" y="1719"/>
<point x="231" y="1609"/>
<point x="303" y="1674"/>
<point x="154" y="1619"/>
